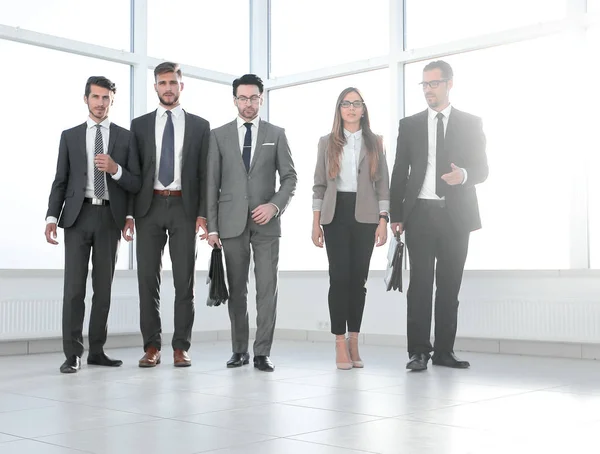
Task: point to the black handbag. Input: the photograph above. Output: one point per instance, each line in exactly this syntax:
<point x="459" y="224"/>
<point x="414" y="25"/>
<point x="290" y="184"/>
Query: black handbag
<point x="217" y="288"/>
<point x="393" y="272"/>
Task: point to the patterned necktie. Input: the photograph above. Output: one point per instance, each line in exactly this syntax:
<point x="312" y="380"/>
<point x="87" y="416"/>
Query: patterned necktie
<point x="441" y="159"/>
<point x="166" y="170"/>
<point x="99" y="183"/>
<point x="247" y="146"/>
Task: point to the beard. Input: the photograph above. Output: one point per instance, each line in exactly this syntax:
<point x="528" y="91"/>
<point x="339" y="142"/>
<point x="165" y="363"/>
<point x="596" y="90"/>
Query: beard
<point x="168" y="103"/>
<point x="94" y="114"/>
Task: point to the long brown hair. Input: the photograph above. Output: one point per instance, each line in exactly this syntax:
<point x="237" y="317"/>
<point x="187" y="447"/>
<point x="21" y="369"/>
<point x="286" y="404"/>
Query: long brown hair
<point x="337" y="139"/>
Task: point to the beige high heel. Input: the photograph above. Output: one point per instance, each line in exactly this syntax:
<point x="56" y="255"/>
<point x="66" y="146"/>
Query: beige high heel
<point x="353" y="350"/>
<point x="340" y="343"/>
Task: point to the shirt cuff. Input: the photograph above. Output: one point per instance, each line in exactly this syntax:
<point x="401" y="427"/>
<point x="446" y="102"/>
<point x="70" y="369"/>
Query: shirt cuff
<point x="213" y="233"/>
<point x="117" y="176"/>
<point x="276" y="207"/>
<point x="464" y="171"/>
<point x="201" y="217"/>
<point x="51" y="220"/>
<point x="129" y="217"/>
<point x="384" y="205"/>
<point x="317" y="204"/>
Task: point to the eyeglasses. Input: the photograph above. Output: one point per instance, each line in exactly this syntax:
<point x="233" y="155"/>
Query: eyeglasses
<point x="253" y="99"/>
<point x="432" y="83"/>
<point x="355" y="104"/>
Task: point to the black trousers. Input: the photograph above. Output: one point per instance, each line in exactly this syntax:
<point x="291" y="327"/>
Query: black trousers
<point x="433" y="244"/>
<point x="166" y="219"/>
<point x="349" y="247"/>
<point x="94" y="232"/>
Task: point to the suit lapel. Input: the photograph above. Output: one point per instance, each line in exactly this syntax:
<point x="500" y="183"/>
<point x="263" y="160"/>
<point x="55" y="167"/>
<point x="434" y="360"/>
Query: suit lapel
<point x="363" y="151"/>
<point x="151" y="127"/>
<point x="423" y="144"/>
<point x="187" y="137"/>
<point x="233" y="142"/>
<point x="81" y="141"/>
<point x="451" y="129"/>
<point x="260" y="139"/>
<point x="112" y="138"/>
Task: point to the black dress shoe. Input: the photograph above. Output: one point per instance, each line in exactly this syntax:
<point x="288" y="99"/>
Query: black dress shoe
<point x="418" y="361"/>
<point x="71" y="365"/>
<point x="100" y="359"/>
<point x="449" y="360"/>
<point x="238" y="359"/>
<point x="263" y="363"/>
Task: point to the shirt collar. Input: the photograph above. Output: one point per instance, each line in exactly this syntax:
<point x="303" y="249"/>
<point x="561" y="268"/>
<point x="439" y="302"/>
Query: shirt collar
<point x="92" y="124"/>
<point x="356" y="135"/>
<point x="241" y="121"/>
<point x="446" y="112"/>
<point x="176" y="111"/>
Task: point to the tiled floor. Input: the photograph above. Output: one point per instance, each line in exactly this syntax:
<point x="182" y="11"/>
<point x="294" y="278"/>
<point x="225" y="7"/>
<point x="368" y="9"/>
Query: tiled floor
<point x="503" y="404"/>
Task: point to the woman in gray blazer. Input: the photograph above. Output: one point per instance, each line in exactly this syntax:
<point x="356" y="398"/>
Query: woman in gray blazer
<point x="351" y="199"/>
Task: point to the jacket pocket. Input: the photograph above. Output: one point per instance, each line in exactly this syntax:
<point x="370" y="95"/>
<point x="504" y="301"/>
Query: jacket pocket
<point x="225" y="197"/>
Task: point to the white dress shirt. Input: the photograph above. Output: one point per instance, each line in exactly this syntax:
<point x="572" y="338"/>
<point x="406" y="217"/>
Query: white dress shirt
<point x="90" y="149"/>
<point x="428" y="188"/>
<point x="347" y="178"/>
<point x="178" y="117"/>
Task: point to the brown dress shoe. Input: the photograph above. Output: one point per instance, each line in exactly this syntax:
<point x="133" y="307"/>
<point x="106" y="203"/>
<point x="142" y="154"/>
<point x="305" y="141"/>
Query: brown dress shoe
<point x="151" y="358"/>
<point x="181" y="358"/>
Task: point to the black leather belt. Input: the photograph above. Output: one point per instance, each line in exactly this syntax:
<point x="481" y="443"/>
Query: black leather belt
<point x="439" y="203"/>
<point x="96" y="201"/>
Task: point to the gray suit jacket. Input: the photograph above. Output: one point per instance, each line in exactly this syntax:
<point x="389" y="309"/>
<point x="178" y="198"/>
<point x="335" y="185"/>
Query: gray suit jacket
<point x="232" y="192"/>
<point x="68" y="189"/>
<point x="368" y="193"/>
<point x="193" y="169"/>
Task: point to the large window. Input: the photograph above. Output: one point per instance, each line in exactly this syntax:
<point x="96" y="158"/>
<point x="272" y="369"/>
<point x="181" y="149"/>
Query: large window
<point x="306" y="112"/>
<point x="439" y="21"/>
<point x="105" y="23"/>
<point x="38" y="106"/>
<point x="589" y="119"/>
<point x="524" y="98"/>
<point x="211" y="101"/>
<point x="312" y="34"/>
<point x="208" y="34"/>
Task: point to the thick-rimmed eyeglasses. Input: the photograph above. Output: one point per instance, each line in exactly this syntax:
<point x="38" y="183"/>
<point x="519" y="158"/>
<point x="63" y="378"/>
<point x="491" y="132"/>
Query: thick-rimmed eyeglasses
<point x="432" y="83"/>
<point x="355" y="104"/>
<point x="252" y="99"/>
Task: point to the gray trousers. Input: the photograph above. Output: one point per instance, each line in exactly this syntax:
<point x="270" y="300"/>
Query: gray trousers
<point x="166" y="219"/>
<point x="93" y="232"/>
<point x="237" y="259"/>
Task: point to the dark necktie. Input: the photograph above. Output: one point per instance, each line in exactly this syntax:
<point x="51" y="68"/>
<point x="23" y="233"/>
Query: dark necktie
<point x="166" y="171"/>
<point x="442" y="165"/>
<point x="247" y="146"/>
<point x="99" y="184"/>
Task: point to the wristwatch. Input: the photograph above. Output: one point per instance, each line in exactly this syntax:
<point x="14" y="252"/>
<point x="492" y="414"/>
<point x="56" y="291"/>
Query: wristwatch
<point x="386" y="217"/>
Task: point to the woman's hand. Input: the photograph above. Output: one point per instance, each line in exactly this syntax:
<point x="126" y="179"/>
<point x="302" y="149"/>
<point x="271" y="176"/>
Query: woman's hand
<point x="317" y="235"/>
<point x="381" y="233"/>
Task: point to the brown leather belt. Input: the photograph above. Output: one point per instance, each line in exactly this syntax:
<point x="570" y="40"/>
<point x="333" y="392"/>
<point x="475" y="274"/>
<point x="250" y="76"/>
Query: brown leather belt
<point x="167" y="193"/>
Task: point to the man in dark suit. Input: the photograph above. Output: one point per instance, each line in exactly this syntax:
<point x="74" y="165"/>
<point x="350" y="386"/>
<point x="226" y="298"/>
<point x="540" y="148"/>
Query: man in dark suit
<point x="95" y="172"/>
<point x="440" y="157"/>
<point x="244" y="210"/>
<point x="172" y="146"/>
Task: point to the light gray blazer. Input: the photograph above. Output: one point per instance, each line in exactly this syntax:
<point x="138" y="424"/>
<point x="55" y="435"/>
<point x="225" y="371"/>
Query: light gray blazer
<point x="232" y="192"/>
<point x="369" y="193"/>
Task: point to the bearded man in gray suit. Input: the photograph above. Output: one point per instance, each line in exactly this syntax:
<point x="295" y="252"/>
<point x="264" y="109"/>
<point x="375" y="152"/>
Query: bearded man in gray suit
<point x="244" y="209"/>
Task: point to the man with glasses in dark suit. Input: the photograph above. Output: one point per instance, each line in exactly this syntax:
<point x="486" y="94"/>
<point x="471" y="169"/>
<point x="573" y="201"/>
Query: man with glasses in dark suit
<point x="440" y="157"/>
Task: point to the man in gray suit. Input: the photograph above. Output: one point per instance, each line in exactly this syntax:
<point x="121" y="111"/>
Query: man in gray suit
<point x="95" y="171"/>
<point x="244" y="210"/>
<point x="172" y="146"/>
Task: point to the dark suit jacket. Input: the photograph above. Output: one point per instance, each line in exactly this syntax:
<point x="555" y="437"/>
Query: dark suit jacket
<point x="68" y="189"/>
<point x="193" y="168"/>
<point x="465" y="143"/>
<point x="233" y="192"/>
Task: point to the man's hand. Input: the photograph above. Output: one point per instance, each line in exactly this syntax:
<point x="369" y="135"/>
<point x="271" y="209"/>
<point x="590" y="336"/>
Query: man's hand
<point x="455" y="177"/>
<point x="263" y="213"/>
<point x="214" y="241"/>
<point x="397" y="228"/>
<point x="201" y="224"/>
<point x="51" y="233"/>
<point x="317" y="235"/>
<point x="105" y="163"/>
<point x="128" y="230"/>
